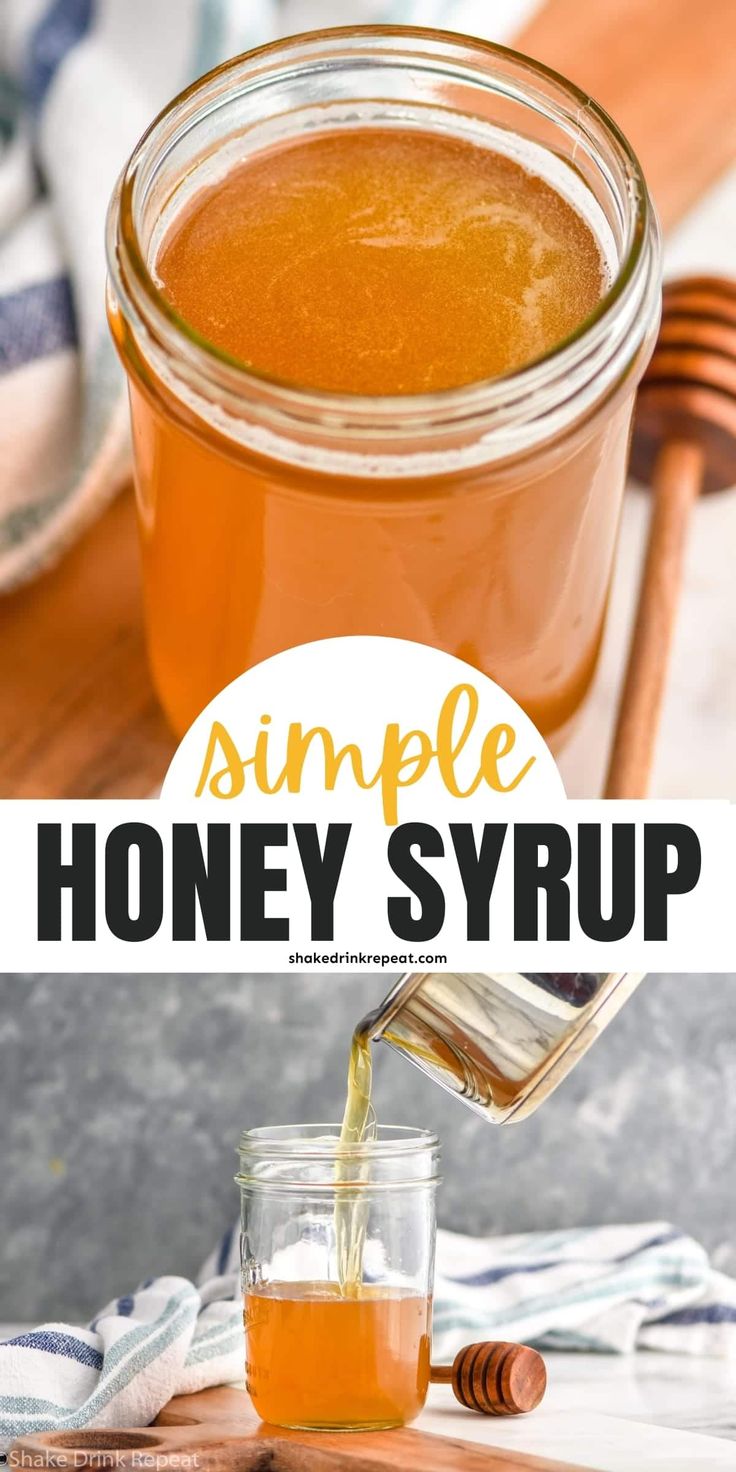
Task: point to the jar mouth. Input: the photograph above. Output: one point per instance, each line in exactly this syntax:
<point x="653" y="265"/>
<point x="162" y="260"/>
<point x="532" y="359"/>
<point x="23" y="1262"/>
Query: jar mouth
<point x="598" y="342"/>
<point x="293" y="1159"/>
<point x="321" y="1142"/>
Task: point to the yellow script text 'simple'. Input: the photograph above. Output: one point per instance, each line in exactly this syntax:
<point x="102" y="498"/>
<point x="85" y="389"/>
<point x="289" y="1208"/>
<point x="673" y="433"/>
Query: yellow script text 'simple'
<point x="404" y="757"/>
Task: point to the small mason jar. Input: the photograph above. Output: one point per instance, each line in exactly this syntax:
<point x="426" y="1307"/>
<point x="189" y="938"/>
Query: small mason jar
<point x="337" y="1253"/>
<point x="481" y="519"/>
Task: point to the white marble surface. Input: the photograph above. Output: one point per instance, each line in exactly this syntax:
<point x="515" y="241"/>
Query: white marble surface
<point x="632" y="1413"/>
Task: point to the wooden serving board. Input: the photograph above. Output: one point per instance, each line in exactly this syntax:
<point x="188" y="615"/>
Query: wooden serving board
<point x="649" y="62"/>
<point x="78" y="713"/>
<point x="78" y="716"/>
<point x="220" y="1432"/>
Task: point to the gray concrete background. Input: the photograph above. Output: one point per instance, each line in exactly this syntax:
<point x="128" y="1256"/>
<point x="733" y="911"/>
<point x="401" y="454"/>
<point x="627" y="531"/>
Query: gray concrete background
<point x="122" y="1097"/>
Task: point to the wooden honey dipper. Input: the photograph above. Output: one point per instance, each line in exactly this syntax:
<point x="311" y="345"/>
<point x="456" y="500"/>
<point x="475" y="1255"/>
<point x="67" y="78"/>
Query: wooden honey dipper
<point x="684" y="443"/>
<point x="498" y="1379"/>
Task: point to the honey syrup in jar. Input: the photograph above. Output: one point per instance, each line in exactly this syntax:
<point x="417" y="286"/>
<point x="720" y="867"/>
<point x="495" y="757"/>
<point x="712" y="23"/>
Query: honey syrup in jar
<point x="317" y="1356"/>
<point x="384" y="297"/>
<point x="382" y="261"/>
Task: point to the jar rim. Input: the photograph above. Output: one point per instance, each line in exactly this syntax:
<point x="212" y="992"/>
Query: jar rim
<point x="312" y="1141"/>
<point x="588" y="349"/>
<point x="274" y="1158"/>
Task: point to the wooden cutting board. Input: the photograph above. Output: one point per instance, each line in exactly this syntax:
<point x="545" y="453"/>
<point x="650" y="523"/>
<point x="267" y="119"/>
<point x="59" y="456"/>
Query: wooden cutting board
<point x="78" y="716"/>
<point x="221" y="1430"/>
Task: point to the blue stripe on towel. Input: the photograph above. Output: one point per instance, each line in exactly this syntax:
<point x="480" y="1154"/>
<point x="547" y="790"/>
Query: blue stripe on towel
<point x="209" y="46"/>
<point x="486" y="1276"/>
<point x="229" y="1338"/>
<point x="35" y="322"/>
<point x="711" y="1313"/>
<point x="665" y="1239"/>
<point x="224" y="1252"/>
<point x="32" y="1408"/>
<point x="450" y="1315"/>
<point x="125" y="1305"/>
<point x="52" y="1342"/>
<point x="64" y="23"/>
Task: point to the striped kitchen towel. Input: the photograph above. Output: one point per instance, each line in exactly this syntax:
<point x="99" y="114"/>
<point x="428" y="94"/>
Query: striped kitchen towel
<point x="79" y="82"/>
<point x="611" y="1289"/>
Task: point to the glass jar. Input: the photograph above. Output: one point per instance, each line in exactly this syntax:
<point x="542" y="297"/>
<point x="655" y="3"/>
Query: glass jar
<point x="480" y="519"/>
<point x="337" y="1253"/>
